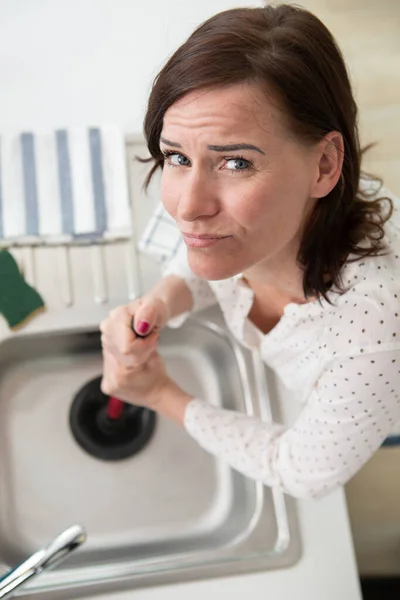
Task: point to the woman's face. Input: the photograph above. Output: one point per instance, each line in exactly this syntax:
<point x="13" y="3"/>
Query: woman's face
<point x="234" y="175"/>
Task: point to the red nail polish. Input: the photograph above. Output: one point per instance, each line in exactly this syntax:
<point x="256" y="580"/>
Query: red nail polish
<point x="142" y="327"/>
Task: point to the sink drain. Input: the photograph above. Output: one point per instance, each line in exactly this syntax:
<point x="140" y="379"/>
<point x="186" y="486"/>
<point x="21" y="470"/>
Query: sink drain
<point x="105" y="438"/>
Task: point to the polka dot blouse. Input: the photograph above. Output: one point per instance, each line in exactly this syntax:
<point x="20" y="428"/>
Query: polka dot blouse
<point x="345" y="359"/>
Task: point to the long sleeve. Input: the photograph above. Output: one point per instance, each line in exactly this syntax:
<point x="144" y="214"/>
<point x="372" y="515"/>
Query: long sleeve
<point x="352" y="408"/>
<point x="202" y="294"/>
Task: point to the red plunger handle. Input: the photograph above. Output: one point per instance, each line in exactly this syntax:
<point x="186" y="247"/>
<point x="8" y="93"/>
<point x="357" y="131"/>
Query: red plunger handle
<point x="115" y="407"/>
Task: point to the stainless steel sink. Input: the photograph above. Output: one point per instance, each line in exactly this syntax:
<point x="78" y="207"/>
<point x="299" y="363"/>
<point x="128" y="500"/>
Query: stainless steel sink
<point x="170" y="513"/>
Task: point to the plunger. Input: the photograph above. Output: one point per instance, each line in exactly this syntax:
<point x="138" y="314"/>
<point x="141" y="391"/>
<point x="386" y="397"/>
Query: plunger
<point x="106" y="427"/>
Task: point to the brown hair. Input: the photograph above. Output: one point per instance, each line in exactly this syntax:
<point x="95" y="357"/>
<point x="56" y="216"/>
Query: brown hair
<point x="289" y="51"/>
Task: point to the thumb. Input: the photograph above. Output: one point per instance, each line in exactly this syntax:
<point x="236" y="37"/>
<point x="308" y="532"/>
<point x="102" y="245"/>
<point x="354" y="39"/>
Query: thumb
<point x="148" y="316"/>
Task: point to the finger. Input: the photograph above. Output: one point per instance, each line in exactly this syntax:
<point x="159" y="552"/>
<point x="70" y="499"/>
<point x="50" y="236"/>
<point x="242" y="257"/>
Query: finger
<point x="116" y="328"/>
<point x="142" y="349"/>
<point x="138" y="346"/>
<point x="135" y="354"/>
<point x="110" y="373"/>
<point x="147" y="317"/>
<point x="141" y="343"/>
<point x="123" y="337"/>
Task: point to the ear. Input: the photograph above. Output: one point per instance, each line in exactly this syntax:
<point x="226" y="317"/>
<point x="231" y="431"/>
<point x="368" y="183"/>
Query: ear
<point x="329" y="155"/>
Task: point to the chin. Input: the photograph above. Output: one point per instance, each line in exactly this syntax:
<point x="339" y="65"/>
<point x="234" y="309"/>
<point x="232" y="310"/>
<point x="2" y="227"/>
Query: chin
<point x="211" y="268"/>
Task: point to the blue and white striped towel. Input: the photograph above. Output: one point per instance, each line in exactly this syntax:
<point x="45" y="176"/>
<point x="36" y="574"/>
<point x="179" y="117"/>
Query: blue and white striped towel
<point x="161" y="238"/>
<point x="64" y="185"/>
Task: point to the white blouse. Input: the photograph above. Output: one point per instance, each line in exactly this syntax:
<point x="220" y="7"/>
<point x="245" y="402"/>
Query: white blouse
<point x="342" y="359"/>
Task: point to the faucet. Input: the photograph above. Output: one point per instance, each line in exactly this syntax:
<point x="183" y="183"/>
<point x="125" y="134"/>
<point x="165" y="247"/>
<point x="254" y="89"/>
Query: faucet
<point x="46" y="558"/>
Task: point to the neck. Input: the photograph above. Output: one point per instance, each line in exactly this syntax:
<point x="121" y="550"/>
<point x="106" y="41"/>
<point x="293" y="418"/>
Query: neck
<point x="281" y="279"/>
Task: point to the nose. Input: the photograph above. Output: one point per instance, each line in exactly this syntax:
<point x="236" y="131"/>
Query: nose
<point x="198" y="197"/>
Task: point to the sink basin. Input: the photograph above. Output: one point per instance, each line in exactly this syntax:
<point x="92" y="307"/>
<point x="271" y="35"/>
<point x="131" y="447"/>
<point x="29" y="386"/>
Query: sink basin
<point x="169" y="513"/>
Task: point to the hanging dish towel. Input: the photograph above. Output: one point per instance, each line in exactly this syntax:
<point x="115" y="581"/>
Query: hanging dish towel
<point x="161" y="239"/>
<point x="66" y="185"/>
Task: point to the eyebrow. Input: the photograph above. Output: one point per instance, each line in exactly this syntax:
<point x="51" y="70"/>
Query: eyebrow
<point x="229" y="148"/>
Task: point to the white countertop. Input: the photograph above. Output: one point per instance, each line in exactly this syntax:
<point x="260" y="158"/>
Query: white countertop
<point x="326" y="569"/>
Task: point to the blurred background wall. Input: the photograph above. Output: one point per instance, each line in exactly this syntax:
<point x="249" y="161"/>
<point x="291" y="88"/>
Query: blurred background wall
<point x="368" y="32"/>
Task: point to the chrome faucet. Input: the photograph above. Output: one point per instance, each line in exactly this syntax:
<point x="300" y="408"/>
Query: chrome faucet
<point x="46" y="558"/>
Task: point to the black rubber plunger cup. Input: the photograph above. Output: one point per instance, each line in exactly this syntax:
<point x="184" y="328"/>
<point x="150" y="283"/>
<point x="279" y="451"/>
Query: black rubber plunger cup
<point x="102" y="435"/>
<point x="105" y="438"/>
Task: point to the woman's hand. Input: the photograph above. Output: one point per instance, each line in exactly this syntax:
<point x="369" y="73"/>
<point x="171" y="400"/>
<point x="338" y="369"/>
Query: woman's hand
<point x="142" y="385"/>
<point x="132" y="368"/>
<point x="148" y="315"/>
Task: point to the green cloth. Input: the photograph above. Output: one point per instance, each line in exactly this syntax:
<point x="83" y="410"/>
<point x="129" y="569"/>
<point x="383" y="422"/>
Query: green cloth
<point x="18" y="300"/>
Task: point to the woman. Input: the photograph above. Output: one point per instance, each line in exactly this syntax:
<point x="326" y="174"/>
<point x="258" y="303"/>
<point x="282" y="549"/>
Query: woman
<point x="254" y="126"/>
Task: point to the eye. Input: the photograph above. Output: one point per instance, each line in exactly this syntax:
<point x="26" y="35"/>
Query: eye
<point x="175" y="159"/>
<point x="237" y="164"/>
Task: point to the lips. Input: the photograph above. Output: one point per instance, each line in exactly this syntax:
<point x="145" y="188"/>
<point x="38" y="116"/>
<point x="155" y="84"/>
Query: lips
<point x="204" y="236"/>
<point x="203" y="240"/>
